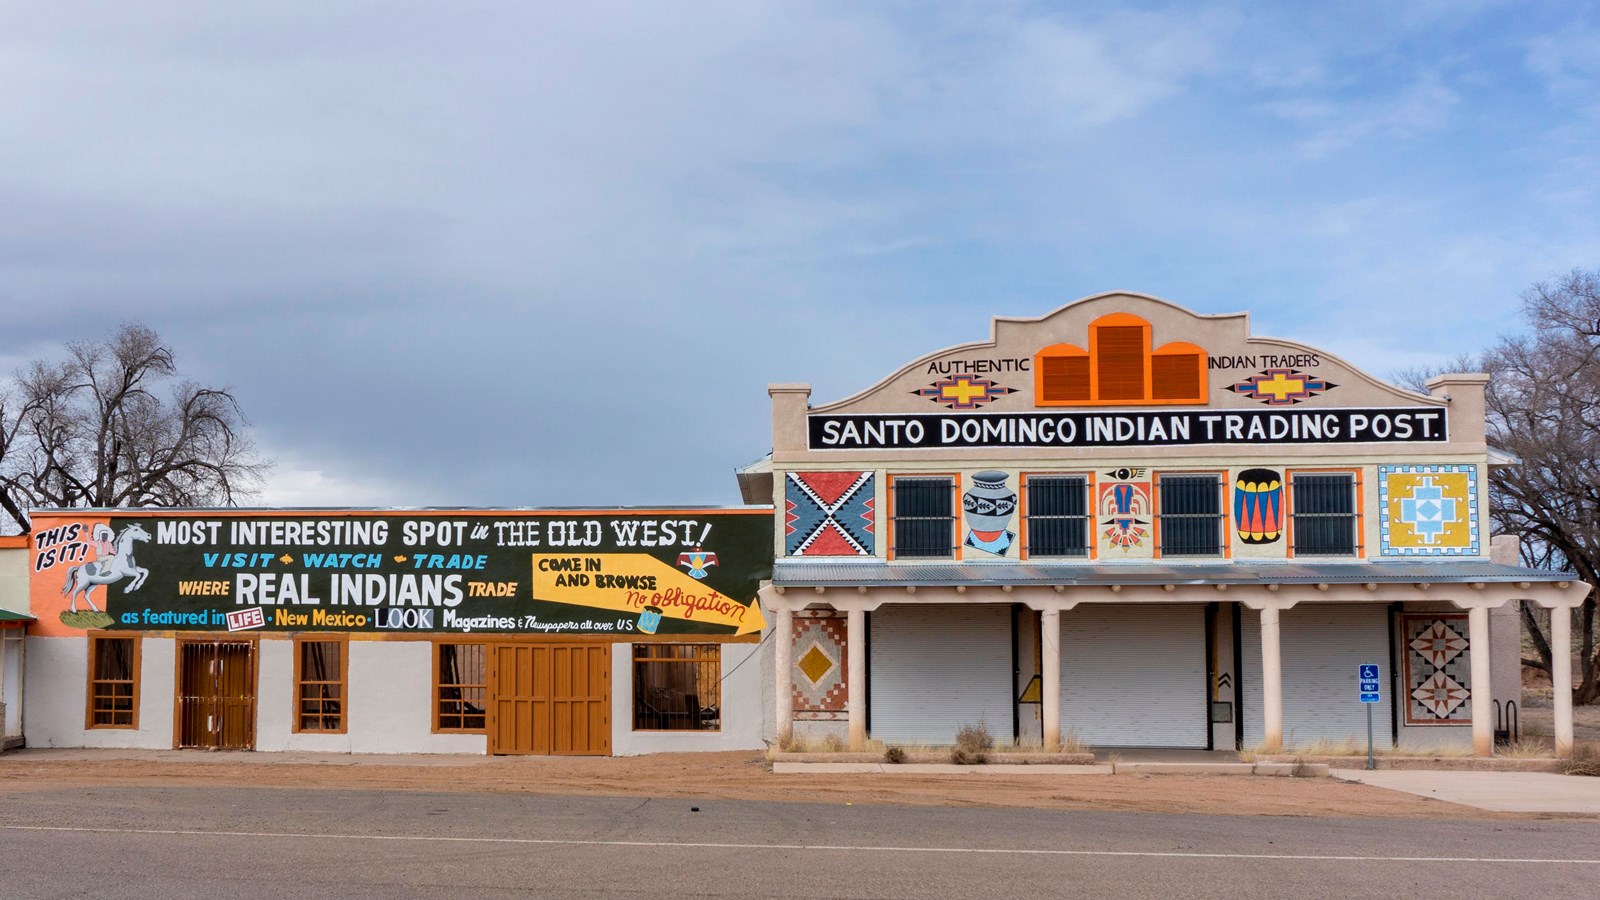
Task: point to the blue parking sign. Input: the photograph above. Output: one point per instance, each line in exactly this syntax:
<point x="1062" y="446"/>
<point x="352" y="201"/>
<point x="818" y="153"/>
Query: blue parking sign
<point x="1370" y="690"/>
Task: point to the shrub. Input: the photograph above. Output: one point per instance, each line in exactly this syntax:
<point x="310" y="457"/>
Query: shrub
<point x="894" y="754"/>
<point x="973" y="743"/>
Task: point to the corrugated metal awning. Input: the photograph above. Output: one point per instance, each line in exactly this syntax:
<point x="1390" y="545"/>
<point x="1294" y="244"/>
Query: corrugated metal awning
<point x="879" y="573"/>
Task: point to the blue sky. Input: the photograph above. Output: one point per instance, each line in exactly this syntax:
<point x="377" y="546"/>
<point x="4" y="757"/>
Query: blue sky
<point x="521" y="254"/>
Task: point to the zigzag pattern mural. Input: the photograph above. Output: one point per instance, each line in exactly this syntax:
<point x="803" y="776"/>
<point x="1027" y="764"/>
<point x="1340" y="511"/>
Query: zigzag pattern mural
<point x="828" y="514"/>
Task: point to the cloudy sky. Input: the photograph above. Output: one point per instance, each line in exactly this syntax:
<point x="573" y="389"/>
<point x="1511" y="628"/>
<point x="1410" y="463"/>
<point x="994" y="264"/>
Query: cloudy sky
<point x="521" y="254"/>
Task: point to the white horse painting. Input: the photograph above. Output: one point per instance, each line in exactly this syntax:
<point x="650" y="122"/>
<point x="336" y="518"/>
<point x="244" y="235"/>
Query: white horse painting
<point x="108" y="569"/>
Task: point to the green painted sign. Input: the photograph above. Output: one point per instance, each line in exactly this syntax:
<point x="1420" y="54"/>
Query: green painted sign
<point x="616" y="572"/>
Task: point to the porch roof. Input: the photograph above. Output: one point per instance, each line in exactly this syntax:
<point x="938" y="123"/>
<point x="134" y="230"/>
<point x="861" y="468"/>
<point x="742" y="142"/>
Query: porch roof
<point x="14" y="619"/>
<point x="883" y="573"/>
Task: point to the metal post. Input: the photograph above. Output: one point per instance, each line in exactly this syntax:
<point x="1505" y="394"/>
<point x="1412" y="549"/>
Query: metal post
<point x="1370" y="765"/>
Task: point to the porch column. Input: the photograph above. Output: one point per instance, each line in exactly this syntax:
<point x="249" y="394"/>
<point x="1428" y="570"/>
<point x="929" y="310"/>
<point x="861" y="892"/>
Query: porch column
<point x="856" y="641"/>
<point x="1271" y="679"/>
<point x="1482" y="690"/>
<point x="1050" y="676"/>
<point x="1561" y="676"/>
<point x="1270" y="604"/>
<point x="783" y="663"/>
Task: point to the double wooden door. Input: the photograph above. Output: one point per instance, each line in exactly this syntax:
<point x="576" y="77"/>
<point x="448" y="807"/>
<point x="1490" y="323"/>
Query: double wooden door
<point x="217" y="695"/>
<point x="550" y="699"/>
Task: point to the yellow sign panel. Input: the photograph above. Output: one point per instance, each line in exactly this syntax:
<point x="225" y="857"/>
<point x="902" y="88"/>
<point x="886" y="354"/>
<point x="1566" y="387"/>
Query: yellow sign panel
<point x="633" y="582"/>
<point x="1429" y="510"/>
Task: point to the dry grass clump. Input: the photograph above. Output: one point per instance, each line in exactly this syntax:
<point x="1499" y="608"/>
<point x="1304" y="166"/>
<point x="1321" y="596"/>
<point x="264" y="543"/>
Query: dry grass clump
<point x="789" y="742"/>
<point x="1527" y="747"/>
<point x="894" y="754"/>
<point x="1585" y="759"/>
<point x="973" y="743"/>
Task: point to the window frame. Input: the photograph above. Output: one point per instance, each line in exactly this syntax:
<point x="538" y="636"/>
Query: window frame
<point x="437" y="713"/>
<point x="299" y="714"/>
<point x="1357" y="515"/>
<point x="136" y="660"/>
<point x="713" y="661"/>
<point x="954" y="518"/>
<point x="1091" y="548"/>
<point x="1221" y="517"/>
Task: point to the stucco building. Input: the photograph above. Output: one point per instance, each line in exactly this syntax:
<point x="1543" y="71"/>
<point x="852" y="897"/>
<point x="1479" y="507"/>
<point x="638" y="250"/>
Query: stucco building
<point x="1127" y="524"/>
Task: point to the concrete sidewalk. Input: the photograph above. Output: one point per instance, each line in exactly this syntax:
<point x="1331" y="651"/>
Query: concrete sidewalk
<point x="1536" y="792"/>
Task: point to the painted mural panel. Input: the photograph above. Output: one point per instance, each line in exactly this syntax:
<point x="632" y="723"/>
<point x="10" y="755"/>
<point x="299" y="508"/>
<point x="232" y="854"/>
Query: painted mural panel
<point x="1428" y="510"/>
<point x="1438" y="669"/>
<point x="1258" y="506"/>
<point x="828" y="514"/>
<point x="607" y="573"/>
<point x="990" y="505"/>
<point x="818" y="676"/>
<point x="1125" y="511"/>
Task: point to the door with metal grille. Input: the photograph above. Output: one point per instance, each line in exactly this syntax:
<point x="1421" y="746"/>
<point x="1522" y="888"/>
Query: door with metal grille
<point x="217" y="695"/>
<point x="550" y="699"/>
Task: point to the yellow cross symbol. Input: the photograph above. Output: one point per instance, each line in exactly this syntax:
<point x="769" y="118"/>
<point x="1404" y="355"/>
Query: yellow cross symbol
<point x="1281" y="388"/>
<point x="963" y="392"/>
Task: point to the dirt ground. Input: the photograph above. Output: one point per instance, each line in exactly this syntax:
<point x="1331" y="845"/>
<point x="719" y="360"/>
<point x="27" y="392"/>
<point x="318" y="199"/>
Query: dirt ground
<point x="1538" y="718"/>
<point x="734" y="775"/>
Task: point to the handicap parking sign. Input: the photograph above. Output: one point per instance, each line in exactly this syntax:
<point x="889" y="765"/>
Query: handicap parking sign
<point x="1369" y="672"/>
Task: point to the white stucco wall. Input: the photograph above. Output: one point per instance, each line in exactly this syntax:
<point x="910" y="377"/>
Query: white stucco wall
<point x="56" y="696"/>
<point x="389" y="708"/>
<point x="14" y="579"/>
<point x="743" y="712"/>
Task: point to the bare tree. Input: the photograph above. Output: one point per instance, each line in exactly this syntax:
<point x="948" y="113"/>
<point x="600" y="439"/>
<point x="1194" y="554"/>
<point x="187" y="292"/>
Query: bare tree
<point x="96" y="430"/>
<point x="1543" y="405"/>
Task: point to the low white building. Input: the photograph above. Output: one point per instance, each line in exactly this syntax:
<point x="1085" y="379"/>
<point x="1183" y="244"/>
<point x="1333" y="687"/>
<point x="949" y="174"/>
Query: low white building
<point x="14" y="620"/>
<point x="379" y="631"/>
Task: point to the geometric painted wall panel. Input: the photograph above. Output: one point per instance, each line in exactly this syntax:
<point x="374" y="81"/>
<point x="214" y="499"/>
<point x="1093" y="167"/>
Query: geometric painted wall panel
<point x="1428" y="510"/>
<point x="1438" y="675"/>
<point x="828" y="514"/>
<point x="1124" y="513"/>
<point x="817" y="673"/>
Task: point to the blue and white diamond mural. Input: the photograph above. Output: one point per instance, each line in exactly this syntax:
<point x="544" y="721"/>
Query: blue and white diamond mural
<point x="1428" y="510"/>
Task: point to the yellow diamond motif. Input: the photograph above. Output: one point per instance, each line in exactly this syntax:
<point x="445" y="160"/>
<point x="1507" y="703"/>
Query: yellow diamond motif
<point x="815" y="664"/>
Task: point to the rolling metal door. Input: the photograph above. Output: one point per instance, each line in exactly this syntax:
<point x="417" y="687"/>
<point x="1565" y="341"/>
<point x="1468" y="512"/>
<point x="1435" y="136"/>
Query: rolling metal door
<point x="933" y="669"/>
<point x="1321" y="648"/>
<point x="1134" y="676"/>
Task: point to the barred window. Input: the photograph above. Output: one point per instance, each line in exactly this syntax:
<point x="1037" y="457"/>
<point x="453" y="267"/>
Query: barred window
<point x="1058" y="515"/>
<point x="677" y="687"/>
<point x="319" y="675"/>
<point x="113" y="682"/>
<point x="1189" y="514"/>
<point x="924" y="517"/>
<point x="460" y="686"/>
<point x="1325" y="517"/>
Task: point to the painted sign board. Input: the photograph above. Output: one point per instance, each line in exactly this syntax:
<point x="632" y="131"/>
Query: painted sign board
<point x="612" y="572"/>
<point x="1369" y="686"/>
<point x="1189" y="427"/>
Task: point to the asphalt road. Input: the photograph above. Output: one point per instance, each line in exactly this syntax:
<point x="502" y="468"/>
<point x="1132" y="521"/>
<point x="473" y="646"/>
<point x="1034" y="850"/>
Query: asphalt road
<point x="288" y="842"/>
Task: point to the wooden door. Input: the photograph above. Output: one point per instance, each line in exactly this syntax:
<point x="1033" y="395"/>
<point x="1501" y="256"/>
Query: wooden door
<point x="580" y="702"/>
<point x="216" y="707"/>
<point x="519" y="699"/>
<point x="550" y="699"/>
